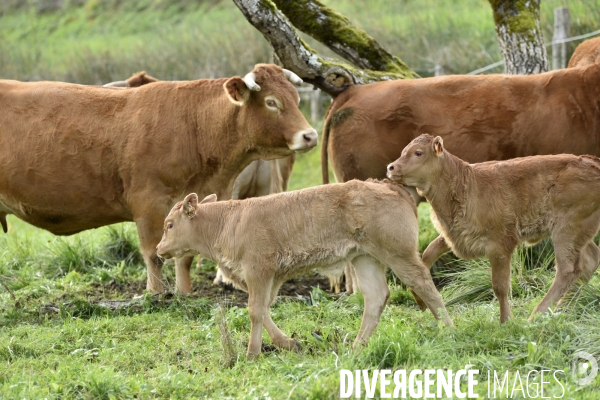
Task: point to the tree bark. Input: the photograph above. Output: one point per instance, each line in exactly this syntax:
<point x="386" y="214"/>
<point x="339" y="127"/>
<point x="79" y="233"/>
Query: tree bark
<point x="330" y="76"/>
<point x="519" y="36"/>
<point x="340" y="35"/>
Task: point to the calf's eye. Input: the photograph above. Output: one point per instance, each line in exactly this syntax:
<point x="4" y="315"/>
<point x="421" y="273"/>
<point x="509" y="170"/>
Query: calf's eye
<point x="418" y="153"/>
<point x="169" y="225"/>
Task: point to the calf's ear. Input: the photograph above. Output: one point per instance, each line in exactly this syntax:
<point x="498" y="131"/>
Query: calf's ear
<point x="211" y="198"/>
<point x="189" y="205"/>
<point x="236" y="90"/>
<point x="438" y="146"/>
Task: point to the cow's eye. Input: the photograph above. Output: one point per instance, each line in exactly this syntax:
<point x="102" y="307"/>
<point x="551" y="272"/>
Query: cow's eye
<point x="169" y="225"/>
<point x="418" y="153"/>
<point x="271" y="103"/>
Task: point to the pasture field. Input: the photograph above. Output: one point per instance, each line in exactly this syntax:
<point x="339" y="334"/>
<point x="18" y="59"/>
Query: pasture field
<point x="101" y="41"/>
<point x="70" y="329"/>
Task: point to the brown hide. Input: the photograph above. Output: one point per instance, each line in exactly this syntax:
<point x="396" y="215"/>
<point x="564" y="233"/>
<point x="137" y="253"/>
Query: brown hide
<point x="262" y="177"/>
<point x="76" y="157"/>
<point x="587" y="53"/>
<point x="487" y="209"/>
<point x="263" y="241"/>
<point x="481" y="118"/>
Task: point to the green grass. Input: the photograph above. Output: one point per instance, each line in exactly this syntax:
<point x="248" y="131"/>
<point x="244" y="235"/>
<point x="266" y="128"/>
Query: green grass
<point x="58" y="341"/>
<point x="102" y="41"/>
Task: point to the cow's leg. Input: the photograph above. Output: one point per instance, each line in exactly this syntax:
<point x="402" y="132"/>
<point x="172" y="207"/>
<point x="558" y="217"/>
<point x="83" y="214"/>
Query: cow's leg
<point x="279" y="338"/>
<point x="434" y="250"/>
<point x="350" y="276"/>
<point x="416" y="275"/>
<point x="259" y="296"/>
<point x="370" y="276"/>
<point x="500" y="263"/>
<point x="150" y="233"/>
<point x="182" y="274"/>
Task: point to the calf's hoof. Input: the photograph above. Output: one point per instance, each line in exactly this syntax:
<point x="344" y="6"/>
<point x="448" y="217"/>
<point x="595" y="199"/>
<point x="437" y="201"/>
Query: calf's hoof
<point x="289" y="344"/>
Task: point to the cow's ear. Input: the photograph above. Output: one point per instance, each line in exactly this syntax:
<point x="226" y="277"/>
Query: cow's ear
<point x="211" y="198"/>
<point x="189" y="205"/>
<point x="236" y="90"/>
<point x="438" y="146"/>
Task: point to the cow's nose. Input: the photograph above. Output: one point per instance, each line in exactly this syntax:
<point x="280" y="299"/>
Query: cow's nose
<point x="310" y="138"/>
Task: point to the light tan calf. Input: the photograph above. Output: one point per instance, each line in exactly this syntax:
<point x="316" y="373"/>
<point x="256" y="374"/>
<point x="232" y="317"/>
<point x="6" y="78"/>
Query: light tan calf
<point x="262" y="242"/>
<point x="487" y="209"/>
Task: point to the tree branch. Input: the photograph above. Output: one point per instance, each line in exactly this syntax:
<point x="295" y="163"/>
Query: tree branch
<point x="330" y="76"/>
<point x="340" y="35"/>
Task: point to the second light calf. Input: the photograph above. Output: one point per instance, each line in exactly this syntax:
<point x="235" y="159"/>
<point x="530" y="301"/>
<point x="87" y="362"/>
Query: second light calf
<point x="487" y="209"/>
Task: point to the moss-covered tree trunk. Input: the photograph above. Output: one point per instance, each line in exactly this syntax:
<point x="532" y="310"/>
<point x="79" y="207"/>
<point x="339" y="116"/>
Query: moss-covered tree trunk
<point x="339" y="34"/>
<point x="331" y="76"/>
<point x="519" y="35"/>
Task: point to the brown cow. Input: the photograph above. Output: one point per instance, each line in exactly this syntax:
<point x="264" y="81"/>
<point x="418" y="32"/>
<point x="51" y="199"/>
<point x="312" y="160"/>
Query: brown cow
<point x="263" y="241"/>
<point x="136" y="80"/>
<point x="482" y="118"/>
<point x="587" y="53"/>
<point x="487" y="209"/>
<point x="77" y="157"/>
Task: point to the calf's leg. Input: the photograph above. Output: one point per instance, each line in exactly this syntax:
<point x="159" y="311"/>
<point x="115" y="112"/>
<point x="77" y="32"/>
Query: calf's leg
<point x="416" y="275"/>
<point x="279" y="338"/>
<point x="568" y="269"/>
<point x="500" y="263"/>
<point x="591" y="260"/>
<point x="350" y="276"/>
<point x="370" y="276"/>
<point x="259" y="297"/>
<point x="433" y="251"/>
<point x="182" y="274"/>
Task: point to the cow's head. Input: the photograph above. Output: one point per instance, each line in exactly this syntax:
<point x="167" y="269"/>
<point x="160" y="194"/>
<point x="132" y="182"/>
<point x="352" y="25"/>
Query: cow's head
<point x="420" y="162"/>
<point x="180" y="236"/>
<point x="269" y="110"/>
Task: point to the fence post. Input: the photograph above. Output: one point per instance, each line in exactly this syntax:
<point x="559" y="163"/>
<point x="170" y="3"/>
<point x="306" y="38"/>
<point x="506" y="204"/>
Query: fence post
<point x="562" y="26"/>
<point x="315" y="105"/>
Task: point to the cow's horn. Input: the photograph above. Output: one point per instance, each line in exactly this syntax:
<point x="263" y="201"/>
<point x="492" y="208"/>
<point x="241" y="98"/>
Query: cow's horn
<point x="249" y="81"/>
<point x="292" y="77"/>
<point x="117" y="84"/>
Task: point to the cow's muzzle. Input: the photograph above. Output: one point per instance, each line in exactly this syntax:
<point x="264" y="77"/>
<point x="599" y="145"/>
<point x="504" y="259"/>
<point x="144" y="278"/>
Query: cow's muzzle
<point x="304" y="140"/>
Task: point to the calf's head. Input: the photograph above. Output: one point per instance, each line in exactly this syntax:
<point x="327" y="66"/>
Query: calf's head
<point x="179" y="232"/>
<point x="420" y="163"/>
<point x="269" y="112"/>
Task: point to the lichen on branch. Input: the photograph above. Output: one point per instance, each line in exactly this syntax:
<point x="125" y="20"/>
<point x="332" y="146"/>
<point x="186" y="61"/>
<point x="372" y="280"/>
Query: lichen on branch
<point x="339" y="34"/>
<point x="329" y="75"/>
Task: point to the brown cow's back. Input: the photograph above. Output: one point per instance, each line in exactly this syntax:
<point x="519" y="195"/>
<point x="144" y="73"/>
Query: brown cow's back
<point x="587" y="53"/>
<point x="492" y="117"/>
<point x="83" y="156"/>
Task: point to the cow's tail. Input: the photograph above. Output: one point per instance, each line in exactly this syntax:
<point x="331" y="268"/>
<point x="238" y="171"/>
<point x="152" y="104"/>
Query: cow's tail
<point x="324" y="160"/>
<point x="3" y="222"/>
